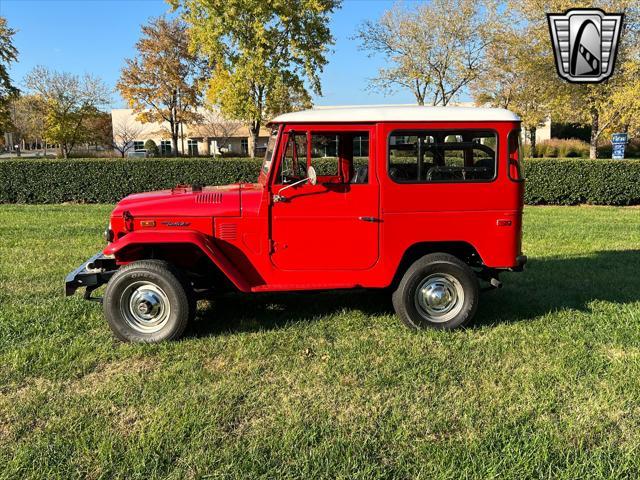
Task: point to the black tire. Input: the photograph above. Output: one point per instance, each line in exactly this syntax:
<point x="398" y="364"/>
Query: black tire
<point x="432" y="284"/>
<point x="165" y="294"/>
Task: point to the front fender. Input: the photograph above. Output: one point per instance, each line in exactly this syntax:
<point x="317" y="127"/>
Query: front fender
<point x="160" y="237"/>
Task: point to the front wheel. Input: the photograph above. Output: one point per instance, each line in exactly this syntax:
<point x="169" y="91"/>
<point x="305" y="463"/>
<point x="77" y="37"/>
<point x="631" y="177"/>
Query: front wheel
<point x="438" y="291"/>
<point x="147" y="302"/>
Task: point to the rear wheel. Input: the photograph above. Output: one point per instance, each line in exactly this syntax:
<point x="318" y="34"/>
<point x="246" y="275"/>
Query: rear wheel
<point x="148" y="301"/>
<point x="438" y="291"/>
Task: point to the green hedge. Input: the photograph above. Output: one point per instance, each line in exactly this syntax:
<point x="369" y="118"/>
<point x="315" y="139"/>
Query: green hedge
<point x="549" y="181"/>
<point x="107" y="180"/>
<point x="573" y="182"/>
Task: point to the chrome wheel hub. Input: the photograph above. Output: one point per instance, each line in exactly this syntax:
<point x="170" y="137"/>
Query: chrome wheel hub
<point x="439" y="297"/>
<point x="145" y="307"/>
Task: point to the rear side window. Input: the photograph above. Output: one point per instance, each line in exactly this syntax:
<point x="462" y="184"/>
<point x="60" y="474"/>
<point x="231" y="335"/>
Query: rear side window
<point x="515" y="156"/>
<point x="432" y="156"/>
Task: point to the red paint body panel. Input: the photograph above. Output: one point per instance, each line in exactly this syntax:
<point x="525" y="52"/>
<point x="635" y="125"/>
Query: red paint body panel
<point x="160" y="237"/>
<point x="333" y="235"/>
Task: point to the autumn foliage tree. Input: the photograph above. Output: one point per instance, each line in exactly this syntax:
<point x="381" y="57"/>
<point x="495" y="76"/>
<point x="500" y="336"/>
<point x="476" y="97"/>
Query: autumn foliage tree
<point x="163" y="83"/>
<point x="604" y="106"/>
<point x="435" y="50"/>
<point x="263" y="54"/>
<point x="27" y="114"/>
<point x="69" y="103"/>
<point x="8" y="55"/>
<point x="507" y="80"/>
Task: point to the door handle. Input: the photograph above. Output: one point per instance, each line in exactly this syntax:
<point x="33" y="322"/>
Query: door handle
<point x="369" y="219"/>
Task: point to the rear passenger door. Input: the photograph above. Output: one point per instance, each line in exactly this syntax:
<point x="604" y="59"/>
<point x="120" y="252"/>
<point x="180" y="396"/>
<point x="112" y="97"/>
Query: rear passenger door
<point x="333" y="225"/>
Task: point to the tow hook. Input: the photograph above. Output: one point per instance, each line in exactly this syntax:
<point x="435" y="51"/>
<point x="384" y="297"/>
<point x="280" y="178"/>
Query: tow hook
<point x="495" y="282"/>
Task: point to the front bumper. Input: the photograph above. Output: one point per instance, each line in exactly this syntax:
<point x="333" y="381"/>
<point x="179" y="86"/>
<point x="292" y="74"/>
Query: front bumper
<point x="91" y="274"/>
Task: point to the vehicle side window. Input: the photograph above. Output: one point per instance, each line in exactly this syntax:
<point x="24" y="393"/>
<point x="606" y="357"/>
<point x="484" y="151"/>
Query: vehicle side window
<point x="442" y="156"/>
<point x="324" y="155"/>
<point x="341" y="157"/>
<point x="294" y="161"/>
<point x="360" y="158"/>
<point x="515" y="156"/>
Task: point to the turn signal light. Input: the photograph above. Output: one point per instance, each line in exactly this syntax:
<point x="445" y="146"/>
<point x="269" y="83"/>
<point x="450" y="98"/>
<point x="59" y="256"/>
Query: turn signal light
<point x="504" y="223"/>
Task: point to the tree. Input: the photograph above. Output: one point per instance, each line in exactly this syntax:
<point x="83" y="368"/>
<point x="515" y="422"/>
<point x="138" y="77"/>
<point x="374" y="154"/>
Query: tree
<point x="261" y="53"/>
<point x="99" y="129"/>
<point x="8" y="55"/>
<point x="69" y="101"/>
<point x="213" y="126"/>
<point x="435" y="50"/>
<point x="125" y="133"/>
<point x="601" y="105"/>
<point x="27" y="119"/>
<point x="163" y="83"/>
<point x="507" y="82"/>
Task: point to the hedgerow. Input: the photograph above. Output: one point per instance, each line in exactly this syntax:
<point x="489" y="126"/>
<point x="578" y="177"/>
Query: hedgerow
<point x="107" y="180"/>
<point x="578" y="181"/>
<point x="549" y="181"/>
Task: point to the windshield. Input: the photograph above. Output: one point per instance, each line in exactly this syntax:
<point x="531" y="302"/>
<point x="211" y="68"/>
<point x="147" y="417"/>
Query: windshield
<point x="268" y="156"/>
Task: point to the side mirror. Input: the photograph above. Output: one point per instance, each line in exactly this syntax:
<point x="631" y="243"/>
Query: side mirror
<point x="311" y="175"/>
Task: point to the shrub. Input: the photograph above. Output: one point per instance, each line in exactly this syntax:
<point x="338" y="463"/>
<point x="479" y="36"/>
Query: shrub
<point x="549" y="181"/>
<point x="562" y="148"/>
<point x="151" y="148"/>
<point x="572" y="182"/>
<point x="107" y="181"/>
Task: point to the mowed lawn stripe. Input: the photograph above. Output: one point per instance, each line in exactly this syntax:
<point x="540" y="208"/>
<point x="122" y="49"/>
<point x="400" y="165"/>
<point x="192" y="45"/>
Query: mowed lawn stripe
<point x="546" y="383"/>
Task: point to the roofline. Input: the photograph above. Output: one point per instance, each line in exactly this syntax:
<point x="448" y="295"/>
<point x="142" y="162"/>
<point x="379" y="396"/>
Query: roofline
<point x="405" y="113"/>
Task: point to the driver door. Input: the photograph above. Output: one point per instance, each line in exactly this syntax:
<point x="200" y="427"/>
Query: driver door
<point x="334" y="224"/>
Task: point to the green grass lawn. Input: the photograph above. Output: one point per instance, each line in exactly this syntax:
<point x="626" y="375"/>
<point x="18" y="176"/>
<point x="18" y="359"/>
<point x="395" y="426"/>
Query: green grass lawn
<point x="546" y="383"/>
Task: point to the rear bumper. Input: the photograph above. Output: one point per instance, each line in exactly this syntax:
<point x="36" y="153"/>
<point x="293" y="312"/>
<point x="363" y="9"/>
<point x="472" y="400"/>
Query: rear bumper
<point x="521" y="261"/>
<point x="91" y="274"/>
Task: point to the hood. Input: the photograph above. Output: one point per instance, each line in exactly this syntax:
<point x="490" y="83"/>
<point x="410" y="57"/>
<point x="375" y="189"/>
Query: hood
<point x="184" y="200"/>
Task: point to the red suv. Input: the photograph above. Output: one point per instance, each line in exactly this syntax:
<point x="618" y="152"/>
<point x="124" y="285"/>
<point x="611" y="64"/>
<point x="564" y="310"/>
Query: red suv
<point x="425" y="201"/>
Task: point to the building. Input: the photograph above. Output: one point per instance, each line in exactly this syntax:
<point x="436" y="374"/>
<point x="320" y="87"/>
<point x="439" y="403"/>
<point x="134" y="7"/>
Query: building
<point x="543" y="132"/>
<point x="211" y="136"/>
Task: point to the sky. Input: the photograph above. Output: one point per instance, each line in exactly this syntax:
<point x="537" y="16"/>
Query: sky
<point x="95" y="36"/>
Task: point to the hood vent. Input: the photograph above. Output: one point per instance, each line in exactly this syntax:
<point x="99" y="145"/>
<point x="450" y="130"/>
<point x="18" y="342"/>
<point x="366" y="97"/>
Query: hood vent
<point x="211" y="197"/>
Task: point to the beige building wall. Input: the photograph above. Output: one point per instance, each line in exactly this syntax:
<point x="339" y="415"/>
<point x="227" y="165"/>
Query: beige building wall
<point x="208" y="137"/>
<point x="543" y="133"/>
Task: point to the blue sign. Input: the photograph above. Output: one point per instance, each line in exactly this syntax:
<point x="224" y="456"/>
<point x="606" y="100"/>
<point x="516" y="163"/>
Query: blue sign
<point x="619" y="142"/>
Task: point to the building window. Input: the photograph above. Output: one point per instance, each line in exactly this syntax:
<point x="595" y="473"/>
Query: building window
<point x="361" y="145"/>
<point x="165" y="147"/>
<point x="425" y="156"/>
<point x="244" y="146"/>
<point x="193" y="147"/>
<point x="138" y="145"/>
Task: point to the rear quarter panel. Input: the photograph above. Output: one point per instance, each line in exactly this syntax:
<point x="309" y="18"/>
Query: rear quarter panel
<point x="439" y="212"/>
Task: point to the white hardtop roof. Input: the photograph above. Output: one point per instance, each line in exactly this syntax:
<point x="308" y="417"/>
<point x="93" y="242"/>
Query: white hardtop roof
<point x="400" y="113"/>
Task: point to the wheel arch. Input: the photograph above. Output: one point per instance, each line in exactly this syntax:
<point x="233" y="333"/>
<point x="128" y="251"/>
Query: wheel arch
<point x="179" y="248"/>
<point x="459" y="249"/>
